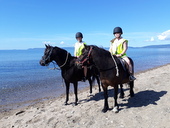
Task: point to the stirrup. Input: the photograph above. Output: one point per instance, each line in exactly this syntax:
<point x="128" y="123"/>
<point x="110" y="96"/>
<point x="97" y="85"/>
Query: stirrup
<point x="132" y="78"/>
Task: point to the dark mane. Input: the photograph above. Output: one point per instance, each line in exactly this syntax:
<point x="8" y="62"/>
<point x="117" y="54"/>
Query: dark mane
<point x="63" y="50"/>
<point x="62" y="53"/>
<point x="102" y="50"/>
<point x="73" y="57"/>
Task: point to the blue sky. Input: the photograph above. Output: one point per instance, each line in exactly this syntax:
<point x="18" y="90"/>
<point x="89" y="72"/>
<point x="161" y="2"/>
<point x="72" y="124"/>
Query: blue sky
<point x="32" y="23"/>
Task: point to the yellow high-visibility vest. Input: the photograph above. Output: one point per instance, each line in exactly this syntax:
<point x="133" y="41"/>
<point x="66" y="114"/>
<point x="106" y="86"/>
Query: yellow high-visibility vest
<point x="117" y="48"/>
<point x="78" y="49"/>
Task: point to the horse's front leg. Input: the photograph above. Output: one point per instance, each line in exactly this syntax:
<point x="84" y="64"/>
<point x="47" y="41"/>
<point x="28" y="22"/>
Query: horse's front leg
<point x="75" y="92"/>
<point x="121" y="91"/>
<point x="67" y="92"/>
<point x="98" y="82"/>
<point x="116" y="107"/>
<point x="106" y="106"/>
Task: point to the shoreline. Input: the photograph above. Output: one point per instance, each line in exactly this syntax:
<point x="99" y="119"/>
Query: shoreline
<point x="19" y="105"/>
<point x="149" y="107"/>
<point x="151" y="69"/>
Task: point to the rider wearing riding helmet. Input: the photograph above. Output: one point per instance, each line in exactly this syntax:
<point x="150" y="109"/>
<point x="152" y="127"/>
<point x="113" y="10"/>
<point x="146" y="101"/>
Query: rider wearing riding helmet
<point x="79" y="45"/>
<point x="119" y="47"/>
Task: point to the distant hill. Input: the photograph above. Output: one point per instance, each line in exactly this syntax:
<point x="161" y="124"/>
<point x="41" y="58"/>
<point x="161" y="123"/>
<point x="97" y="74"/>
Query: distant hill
<point x="158" y="46"/>
<point x="149" y="46"/>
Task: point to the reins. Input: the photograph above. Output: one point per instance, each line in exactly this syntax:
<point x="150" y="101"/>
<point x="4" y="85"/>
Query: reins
<point x="54" y="66"/>
<point x="54" y="63"/>
<point x="87" y="55"/>
<point x="65" y="61"/>
<point x="117" y="70"/>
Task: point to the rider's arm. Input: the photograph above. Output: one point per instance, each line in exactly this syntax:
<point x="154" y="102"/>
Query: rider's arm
<point x="125" y="47"/>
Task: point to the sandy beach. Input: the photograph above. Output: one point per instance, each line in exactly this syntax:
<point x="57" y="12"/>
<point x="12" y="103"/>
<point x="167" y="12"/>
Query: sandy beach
<point x="149" y="108"/>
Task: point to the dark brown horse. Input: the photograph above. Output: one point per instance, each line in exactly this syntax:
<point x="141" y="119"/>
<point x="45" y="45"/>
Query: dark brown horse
<point x="69" y="71"/>
<point x="112" y="72"/>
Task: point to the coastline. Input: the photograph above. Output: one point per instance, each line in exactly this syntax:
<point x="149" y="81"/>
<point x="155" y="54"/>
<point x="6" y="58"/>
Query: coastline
<point x="157" y="67"/>
<point x="149" y="107"/>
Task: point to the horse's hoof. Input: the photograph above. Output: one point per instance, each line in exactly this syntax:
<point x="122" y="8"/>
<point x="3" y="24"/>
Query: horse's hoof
<point x="132" y="95"/>
<point x="75" y="104"/>
<point x="104" y="110"/>
<point x="115" y="109"/>
<point x="90" y="95"/>
<point x="65" y="103"/>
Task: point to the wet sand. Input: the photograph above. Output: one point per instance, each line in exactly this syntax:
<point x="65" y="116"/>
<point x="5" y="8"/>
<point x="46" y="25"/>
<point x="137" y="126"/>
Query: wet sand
<point x="149" y="108"/>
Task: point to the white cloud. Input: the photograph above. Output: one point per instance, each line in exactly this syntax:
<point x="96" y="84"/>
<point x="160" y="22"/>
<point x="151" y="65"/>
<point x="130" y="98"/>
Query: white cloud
<point x="62" y="42"/>
<point x="151" y="39"/>
<point x="49" y="42"/>
<point x="164" y="36"/>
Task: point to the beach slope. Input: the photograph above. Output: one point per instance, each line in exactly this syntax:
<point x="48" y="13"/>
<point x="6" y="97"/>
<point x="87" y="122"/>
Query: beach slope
<point x="149" y="108"/>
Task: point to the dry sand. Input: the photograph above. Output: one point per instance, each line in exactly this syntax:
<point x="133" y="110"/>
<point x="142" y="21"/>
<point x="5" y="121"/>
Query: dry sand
<point x="149" y="108"/>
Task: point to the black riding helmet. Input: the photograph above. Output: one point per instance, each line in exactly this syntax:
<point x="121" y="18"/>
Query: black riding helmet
<point x="117" y="30"/>
<point x="79" y="34"/>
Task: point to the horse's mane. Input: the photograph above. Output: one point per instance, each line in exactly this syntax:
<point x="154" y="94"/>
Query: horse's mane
<point x="61" y="49"/>
<point x="71" y="59"/>
<point x="101" y="49"/>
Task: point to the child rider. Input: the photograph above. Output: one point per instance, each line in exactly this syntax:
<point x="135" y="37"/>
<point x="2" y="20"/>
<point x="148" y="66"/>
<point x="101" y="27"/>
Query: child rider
<point x="79" y="45"/>
<point x="119" y="47"/>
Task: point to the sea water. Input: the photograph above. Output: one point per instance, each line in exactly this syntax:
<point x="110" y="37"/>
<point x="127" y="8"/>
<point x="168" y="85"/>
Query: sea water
<point x="23" y="79"/>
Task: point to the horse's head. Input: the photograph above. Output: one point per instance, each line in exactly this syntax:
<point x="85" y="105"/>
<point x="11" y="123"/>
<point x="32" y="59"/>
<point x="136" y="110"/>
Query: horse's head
<point x="85" y="58"/>
<point x="47" y="57"/>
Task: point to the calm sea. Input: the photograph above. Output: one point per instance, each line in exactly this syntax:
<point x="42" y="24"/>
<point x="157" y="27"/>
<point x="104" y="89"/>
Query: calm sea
<point x="23" y="79"/>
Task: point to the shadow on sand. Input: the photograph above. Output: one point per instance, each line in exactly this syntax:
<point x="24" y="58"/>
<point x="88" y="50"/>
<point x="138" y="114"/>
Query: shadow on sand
<point x="143" y="98"/>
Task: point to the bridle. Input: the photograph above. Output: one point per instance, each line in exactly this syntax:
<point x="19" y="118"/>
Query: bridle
<point x="88" y="56"/>
<point x="49" y="55"/>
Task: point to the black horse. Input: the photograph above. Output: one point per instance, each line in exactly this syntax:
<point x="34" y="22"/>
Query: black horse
<point x="112" y="72"/>
<point x="70" y="72"/>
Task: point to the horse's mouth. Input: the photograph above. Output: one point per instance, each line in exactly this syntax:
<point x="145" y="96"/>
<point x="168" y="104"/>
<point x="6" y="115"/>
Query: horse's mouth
<point x="42" y="63"/>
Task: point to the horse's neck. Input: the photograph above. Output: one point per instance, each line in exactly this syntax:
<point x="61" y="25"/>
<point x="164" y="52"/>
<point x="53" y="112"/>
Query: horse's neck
<point x="65" y="62"/>
<point x="60" y="56"/>
<point x="103" y="60"/>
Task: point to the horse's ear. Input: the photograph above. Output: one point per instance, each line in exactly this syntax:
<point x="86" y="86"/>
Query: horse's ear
<point x="46" y="46"/>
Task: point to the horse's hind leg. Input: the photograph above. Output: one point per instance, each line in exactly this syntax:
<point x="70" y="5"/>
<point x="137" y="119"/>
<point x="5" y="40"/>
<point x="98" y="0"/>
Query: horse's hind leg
<point x="106" y="106"/>
<point x="131" y="88"/>
<point x="121" y="91"/>
<point x="75" y="92"/>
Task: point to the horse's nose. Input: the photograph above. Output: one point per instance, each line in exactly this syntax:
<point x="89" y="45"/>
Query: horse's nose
<point x="42" y="63"/>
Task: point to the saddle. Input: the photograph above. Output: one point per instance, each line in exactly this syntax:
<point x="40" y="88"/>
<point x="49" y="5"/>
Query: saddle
<point x="124" y="65"/>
